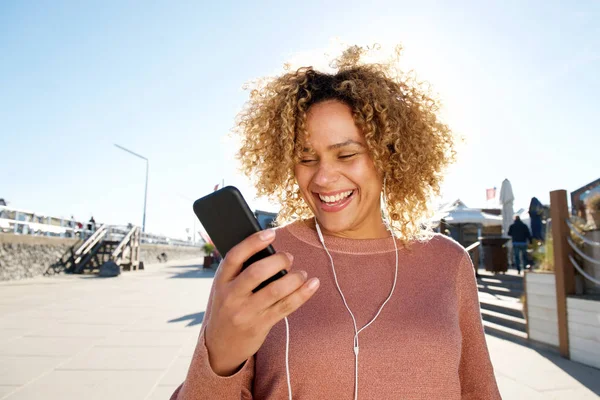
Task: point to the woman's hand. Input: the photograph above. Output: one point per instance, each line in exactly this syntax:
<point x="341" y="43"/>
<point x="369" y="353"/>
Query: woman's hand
<point x="239" y="320"/>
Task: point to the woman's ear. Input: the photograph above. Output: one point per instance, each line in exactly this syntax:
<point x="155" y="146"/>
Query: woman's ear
<point x="384" y="209"/>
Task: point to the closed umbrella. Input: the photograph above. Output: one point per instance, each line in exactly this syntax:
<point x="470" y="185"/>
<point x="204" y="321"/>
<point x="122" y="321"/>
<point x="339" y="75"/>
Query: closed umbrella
<point x="535" y="215"/>
<point x="506" y="200"/>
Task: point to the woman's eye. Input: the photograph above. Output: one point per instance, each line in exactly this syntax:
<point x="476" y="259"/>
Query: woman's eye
<point x="307" y="161"/>
<point x="346" y="156"/>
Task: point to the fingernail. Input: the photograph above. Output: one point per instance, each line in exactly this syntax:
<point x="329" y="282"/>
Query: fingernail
<point x="313" y="284"/>
<point x="267" y="234"/>
<point x="304" y="274"/>
<point x="291" y="257"/>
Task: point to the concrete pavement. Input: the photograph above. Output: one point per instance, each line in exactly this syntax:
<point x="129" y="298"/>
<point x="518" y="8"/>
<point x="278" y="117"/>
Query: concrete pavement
<point x="132" y="337"/>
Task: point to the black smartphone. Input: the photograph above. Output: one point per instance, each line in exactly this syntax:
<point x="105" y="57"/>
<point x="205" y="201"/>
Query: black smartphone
<point x="228" y="220"/>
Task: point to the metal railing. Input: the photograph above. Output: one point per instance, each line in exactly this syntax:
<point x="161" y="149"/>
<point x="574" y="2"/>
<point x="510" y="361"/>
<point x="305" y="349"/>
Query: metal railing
<point x="118" y="232"/>
<point x="473" y="251"/>
<point x="564" y="238"/>
<point x="23" y="222"/>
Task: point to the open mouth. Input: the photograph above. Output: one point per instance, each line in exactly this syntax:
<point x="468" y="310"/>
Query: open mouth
<point x="335" y="202"/>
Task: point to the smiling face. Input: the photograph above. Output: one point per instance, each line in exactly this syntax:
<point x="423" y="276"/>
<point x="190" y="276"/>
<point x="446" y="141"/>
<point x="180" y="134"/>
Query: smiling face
<point x="336" y="175"/>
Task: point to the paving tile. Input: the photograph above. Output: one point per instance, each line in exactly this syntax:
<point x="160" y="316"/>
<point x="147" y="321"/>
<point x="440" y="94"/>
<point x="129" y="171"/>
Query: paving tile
<point x="7" y="310"/>
<point x="6" y="389"/>
<point x="162" y="392"/>
<point x="189" y="346"/>
<point x="66" y="329"/>
<point x="44" y="346"/>
<point x="548" y="376"/>
<point x="99" y="385"/>
<point x="177" y="372"/>
<point x="19" y="322"/>
<point x="54" y="315"/>
<point x="123" y="358"/>
<point x="513" y="389"/>
<point x="147" y="338"/>
<point x="15" y="370"/>
<point x="160" y="325"/>
<point x="571" y="394"/>
<point x="7" y="334"/>
<point x="100" y="317"/>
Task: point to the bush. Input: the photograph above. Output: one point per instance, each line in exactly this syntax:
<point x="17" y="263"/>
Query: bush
<point x="544" y="254"/>
<point x="593" y="202"/>
<point x="208" y="249"/>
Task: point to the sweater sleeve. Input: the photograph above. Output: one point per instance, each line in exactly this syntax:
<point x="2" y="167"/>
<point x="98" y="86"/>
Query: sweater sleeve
<point x="202" y="382"/>
<point x="476" y="372"/>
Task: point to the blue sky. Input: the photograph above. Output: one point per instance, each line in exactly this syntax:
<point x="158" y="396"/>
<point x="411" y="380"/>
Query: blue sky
<point x="518" y="81"/>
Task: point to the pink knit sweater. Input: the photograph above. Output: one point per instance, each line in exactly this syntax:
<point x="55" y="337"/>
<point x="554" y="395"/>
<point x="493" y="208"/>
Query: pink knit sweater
<point x="428" y="342"/>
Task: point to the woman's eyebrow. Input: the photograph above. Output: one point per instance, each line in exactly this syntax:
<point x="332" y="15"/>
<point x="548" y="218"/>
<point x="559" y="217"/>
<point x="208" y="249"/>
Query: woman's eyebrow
<point x="337" y="145"/>
<point x="343" y="144"/>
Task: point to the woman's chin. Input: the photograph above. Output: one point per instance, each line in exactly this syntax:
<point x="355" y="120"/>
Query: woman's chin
<point x="335" y="226"/>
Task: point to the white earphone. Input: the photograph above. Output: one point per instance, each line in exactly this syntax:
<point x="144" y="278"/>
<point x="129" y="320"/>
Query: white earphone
<point x="356" y="331"/>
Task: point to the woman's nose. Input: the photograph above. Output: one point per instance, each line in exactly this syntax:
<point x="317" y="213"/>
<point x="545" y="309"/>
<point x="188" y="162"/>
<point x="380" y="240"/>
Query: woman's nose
<point x="326" y="175"/>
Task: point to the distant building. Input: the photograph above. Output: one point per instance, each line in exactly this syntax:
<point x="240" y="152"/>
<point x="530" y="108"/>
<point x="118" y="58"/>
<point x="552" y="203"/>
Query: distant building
<point x="578" y="197"/>
<point x="265" y="219"/>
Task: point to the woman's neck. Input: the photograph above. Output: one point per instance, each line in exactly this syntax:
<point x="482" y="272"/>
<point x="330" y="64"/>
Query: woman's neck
<point x="376" y="231"/>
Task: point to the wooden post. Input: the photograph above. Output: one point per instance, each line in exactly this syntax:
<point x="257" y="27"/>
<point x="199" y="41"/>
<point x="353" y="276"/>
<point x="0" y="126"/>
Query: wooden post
<point x="136" y="249"/>
<point x="526" y="305"/>
<point x="133" y="252"/>
<point x="564" y="271"/>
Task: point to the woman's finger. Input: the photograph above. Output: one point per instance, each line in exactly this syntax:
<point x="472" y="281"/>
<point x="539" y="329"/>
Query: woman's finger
<point x="232" y="263"/>
<point x="292" y="302"/>
<point x="259" y="272"/>
<point x="276" y="291"/>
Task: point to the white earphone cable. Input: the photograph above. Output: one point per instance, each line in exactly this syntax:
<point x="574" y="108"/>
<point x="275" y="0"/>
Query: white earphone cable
<point x="356" y="331"/>
<point x="287" y="357"/>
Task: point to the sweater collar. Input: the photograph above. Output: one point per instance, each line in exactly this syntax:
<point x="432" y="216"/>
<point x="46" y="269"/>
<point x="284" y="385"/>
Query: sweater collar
<point x="302" y="231"/>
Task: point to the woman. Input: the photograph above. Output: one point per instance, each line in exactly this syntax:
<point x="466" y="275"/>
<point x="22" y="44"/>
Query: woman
<point x="378" y="308"/>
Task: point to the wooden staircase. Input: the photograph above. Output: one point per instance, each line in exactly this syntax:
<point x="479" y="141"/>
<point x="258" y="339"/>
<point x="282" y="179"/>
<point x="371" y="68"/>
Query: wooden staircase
<point x="105" y="244"/>
<point x="65" y="261"/>
<point x="500" y="301"/>
<point x="127" y="252"/>
<point x="501" y="307"/>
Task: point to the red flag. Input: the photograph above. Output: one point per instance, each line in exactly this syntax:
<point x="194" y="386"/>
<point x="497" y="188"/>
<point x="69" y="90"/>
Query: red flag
<point x="490" y="193"/>
<point x="216" y="187"/>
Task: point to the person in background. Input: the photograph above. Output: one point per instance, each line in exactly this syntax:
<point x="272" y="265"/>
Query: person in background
<point x="92" y="224"/>
<point x="521" y="236"/>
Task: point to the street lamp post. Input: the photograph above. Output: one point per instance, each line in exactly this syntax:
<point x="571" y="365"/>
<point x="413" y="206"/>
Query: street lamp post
<point x="146" y="187"/>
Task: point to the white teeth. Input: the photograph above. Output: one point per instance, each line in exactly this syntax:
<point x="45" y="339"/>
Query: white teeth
<point x="337" y="197"/>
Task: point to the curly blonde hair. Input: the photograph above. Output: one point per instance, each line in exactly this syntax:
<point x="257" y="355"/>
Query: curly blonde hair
<point x="408" y="144"/>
